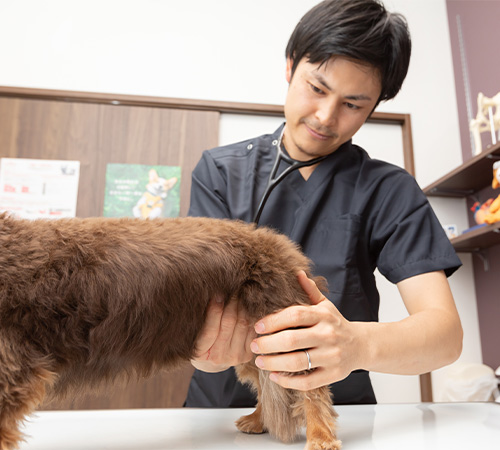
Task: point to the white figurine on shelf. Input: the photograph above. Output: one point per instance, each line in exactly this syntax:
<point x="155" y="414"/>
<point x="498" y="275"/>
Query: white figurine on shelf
<point x="486" y="120"/>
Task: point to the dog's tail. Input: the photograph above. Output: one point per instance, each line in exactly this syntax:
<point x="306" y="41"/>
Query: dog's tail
<point x="277" y="410"/>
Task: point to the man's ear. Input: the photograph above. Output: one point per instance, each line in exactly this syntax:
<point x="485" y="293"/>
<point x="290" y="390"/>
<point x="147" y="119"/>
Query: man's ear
<point x="289" y="65"/>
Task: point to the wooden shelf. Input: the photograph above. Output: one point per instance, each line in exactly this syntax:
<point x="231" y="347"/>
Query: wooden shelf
<point x="477" y="239"/>
<point x="468" y="178"/>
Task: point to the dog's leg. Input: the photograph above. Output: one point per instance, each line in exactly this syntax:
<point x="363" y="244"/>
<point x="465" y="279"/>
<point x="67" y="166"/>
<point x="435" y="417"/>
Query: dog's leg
<point x="249" y="373"/>
<point x="279" y="415"/>
<point x="20" y="394"/>
<point x="320" y="419"/>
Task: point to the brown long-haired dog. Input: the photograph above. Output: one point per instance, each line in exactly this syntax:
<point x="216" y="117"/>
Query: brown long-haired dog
<point x="83" y="301"/>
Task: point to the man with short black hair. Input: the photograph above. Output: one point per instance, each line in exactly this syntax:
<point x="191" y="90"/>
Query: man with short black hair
<point x="349" y="213"/>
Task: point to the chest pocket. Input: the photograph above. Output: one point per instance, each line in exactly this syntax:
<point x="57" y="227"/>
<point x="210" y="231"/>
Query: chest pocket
<point x="333" y="249"/>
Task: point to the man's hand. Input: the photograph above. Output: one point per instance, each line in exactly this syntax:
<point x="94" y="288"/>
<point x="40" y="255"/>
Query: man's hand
<point x="429" y="338"/>
<point x="318" y="328"/>
<point x="225" y="338"/>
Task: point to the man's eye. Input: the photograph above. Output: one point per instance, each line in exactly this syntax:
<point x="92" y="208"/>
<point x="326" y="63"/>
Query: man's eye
<point x="315" y="89"/>
<point x="352" y="106"/>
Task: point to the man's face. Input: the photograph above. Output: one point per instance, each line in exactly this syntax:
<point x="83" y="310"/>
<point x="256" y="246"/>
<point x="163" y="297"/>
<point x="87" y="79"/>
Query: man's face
<point x="326" y="106"/>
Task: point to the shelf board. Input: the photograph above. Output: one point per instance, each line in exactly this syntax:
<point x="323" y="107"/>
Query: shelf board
<point x="468" y="178"/>
<point x="477" y="239"/>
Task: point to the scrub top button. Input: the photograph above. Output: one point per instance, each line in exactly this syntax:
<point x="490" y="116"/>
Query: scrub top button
<point x="249" y="146"/>
<point x="275" y="142"/>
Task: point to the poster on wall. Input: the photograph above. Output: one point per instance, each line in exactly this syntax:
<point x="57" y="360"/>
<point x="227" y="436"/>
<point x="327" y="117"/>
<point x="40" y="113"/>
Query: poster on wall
<point x="39" y="188"/>
<point x="142" y="191"/>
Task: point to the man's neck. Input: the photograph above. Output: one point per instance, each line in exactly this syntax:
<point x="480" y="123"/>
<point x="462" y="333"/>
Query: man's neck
<point x="306" y="172"/>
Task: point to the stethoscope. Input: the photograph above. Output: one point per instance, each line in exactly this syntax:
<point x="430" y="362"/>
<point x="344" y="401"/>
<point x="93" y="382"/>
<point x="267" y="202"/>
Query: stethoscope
<point x="272" y="182"/>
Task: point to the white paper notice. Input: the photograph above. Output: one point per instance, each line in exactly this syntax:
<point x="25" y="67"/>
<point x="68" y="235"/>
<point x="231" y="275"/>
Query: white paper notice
<point x="39" y="188"/>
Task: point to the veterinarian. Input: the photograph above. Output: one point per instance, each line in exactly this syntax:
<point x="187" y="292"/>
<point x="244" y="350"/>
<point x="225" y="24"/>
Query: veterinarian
<point x="350" y="214"/>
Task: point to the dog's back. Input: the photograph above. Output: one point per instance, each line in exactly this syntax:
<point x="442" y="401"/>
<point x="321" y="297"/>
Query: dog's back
<point x="79" y="291"/>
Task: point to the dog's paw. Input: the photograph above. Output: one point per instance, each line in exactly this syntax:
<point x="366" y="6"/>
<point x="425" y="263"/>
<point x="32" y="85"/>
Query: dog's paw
<point x="333" y="444"/>
<point x="250" y="424"/>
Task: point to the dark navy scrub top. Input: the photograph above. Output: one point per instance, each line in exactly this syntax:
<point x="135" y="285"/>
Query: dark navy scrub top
<point x="352" y="215"/>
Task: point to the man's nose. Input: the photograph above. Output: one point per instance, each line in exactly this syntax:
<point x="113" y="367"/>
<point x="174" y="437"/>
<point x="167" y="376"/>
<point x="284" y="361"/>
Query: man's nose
<point x="327" y="113"/>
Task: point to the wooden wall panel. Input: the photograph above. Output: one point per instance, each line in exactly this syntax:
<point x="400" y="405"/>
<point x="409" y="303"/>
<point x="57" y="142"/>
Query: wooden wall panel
<point x="53" y="130"/>
<point x="9" y="112"/>
<point x="98" y="134"/>
<point x="140" y="135"/>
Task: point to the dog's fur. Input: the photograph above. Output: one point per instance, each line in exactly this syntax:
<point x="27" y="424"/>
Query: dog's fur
<point x="83" y="301"/>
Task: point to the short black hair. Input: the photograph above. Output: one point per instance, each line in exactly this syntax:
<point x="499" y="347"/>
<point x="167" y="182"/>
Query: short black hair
<point x="361" y="30"/>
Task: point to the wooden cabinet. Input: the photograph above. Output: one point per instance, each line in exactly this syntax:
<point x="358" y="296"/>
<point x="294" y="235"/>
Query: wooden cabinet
<point x="467" y="180"/>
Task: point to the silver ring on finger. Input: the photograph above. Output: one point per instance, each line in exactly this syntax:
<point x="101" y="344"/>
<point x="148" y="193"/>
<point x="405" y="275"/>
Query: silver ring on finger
<point x="309" y="364"/>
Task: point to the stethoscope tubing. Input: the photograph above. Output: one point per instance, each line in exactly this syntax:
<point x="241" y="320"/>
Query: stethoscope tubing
<point x="273" y="181"/>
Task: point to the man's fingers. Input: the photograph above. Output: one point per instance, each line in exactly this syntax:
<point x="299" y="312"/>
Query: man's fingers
<point x="297" y="361"/>
<point x="284" y="341"/>
<point x="243" y="334"/>
<point x="228" y="347"/>
<point x="310" y="288"/>
<point x="291" y="317"/>
<point x="224" y="340"/>
<point x="211" y="327"/>
<point x="228" y="321"/>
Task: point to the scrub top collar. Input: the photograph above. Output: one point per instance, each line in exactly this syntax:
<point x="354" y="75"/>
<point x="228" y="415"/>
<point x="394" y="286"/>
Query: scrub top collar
<point x="324" y="171"/>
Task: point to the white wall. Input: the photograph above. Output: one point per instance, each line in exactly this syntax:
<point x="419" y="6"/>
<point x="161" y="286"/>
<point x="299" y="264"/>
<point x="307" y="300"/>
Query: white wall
<point x="231" y="50"/>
